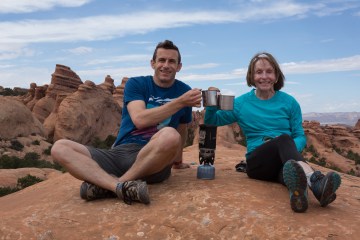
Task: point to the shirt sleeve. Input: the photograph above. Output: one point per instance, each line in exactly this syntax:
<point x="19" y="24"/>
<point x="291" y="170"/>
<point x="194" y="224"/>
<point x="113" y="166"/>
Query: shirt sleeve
<point x="134" y="90"/>
<point x="297" y="130"/>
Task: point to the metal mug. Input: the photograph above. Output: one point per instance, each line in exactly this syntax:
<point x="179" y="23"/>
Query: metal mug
<point x="209" y="98"/>
<point x="226" y="102"/>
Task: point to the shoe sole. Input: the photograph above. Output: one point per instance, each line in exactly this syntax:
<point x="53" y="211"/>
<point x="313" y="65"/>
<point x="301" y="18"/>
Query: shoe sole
<point x="295" y="180"/>
<point x="333" y="181"/>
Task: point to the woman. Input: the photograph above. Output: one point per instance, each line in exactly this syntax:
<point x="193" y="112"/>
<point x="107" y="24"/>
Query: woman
<point x="271" y="121"/>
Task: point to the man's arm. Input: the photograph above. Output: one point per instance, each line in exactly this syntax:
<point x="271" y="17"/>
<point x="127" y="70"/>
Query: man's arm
<point x="143" y="117"/>
<point x="178" y="162"/>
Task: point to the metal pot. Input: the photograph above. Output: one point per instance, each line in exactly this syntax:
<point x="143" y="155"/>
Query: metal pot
<point x="209" y="98"/>
<point x="226" y="102"/>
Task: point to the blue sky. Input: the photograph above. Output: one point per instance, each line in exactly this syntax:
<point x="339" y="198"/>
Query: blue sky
<point x="315" y="42"/>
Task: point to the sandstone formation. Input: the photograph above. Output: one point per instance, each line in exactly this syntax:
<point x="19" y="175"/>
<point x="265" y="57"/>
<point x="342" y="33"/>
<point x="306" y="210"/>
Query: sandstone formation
<point x="108" y="84"/>
<point x="326" y="138"/>
<point x="357" y="125"/>
<point x="231" y="206"/>
<point x="17" y="120"/>
<point x="45" y="105"/>
<point x="86" y="114"/>
<point x="119" y="92"/>
<point x="39" y="93"/>
<point x="30" y="95"/>
<point x="65" y="80"/>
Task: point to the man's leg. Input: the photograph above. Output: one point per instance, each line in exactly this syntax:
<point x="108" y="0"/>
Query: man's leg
<point x="77" y="160"/>
<point x="159" y="153"/>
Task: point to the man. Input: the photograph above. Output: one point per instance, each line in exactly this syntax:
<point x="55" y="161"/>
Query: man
<point x="153" y="130"/>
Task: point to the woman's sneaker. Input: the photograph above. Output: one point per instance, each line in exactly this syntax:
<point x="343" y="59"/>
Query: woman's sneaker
<point x="324" y="187"/>
<point x="296" y="182"/>
<point x="130" y="191"/>
<point x="89" y="191"/>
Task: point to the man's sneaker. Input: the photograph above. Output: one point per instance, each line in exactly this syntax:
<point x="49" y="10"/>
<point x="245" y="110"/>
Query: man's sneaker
<point x="90" y="192"/>
<point x="296" y="182"/>
<point x="130" y="191"/>
<point x="324" y="187"/>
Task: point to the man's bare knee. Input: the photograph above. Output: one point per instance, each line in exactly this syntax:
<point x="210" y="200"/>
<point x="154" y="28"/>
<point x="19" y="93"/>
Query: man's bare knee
<point x="58" y="149"/>
<point x="169" y="137"/>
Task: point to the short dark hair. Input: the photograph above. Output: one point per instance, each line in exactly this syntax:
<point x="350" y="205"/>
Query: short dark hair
<point x="280" y="78"/>
<point x="167" y="44"/>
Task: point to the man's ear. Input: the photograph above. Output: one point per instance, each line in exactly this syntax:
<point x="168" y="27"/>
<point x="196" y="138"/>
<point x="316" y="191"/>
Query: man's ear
<point x="179" y="67"/>
<point x="152" y="63"/>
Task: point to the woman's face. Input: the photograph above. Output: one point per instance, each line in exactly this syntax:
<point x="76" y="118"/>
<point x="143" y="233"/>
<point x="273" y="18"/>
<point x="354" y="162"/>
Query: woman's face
<point x="264" y="75"/>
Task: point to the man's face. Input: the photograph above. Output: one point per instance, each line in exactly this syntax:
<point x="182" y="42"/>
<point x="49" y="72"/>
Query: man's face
<point x="166" y="66"/>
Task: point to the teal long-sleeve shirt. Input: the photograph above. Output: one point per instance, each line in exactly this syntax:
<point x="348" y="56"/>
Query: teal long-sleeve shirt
<point x="260" y="119"/>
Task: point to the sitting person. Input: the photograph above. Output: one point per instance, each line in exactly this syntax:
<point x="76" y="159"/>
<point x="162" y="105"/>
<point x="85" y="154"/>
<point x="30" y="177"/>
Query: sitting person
<point x="152" y="134"/>
<point x="271" y="121"/>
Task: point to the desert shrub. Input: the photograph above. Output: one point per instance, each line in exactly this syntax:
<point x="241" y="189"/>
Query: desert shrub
<point x="338" y="150"/>
<point x="351" y="172"/>
<point x="36" y="142"/>
<point x="7" y="190"/>
<point x="7" y="162"/>
<point x="16" y="145"/>
<point x="311" y="149"/>
<point x="335" y="168"/>
<point x="27" y="181"/>
<point x="353" y="156"/>
<point x="313" y="160"/>
<point x="22" y="183"/>
<point x="47" y="151"/>
<point x="322" y="162"/>
<point x="31" y="159"/>
<point x="106" y="144"/>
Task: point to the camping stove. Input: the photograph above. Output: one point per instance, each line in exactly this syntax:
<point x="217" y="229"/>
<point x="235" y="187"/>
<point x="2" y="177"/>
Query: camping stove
<point x="207" y="146"/>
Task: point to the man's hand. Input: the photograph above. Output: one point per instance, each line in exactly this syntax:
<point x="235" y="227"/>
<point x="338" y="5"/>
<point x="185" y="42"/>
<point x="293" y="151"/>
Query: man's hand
<point x="191" y="98"/>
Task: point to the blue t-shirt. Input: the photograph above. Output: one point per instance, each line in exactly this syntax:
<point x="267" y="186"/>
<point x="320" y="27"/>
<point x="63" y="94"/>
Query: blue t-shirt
<point x="145" y="89"/>
<point x="262" y="119"/>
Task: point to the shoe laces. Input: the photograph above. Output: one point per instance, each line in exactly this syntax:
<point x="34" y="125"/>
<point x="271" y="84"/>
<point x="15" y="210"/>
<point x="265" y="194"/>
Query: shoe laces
<point x="316" y="176"/>
<point x="129" y="191"/>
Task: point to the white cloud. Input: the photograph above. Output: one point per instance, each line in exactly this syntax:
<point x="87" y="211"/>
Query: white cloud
<point x="25" y="6"/>
<point x="201" y="66"/>
<point x="124" y="58"/>
<point x="102" y="27"/>
<point x="107" y="27"/>
<point x="98" y="75"/>
<point x="329" y="65"/>
<point x="207" y="77"/>
<point x="14" y="50"/>
<point x="80" y="50"/>
<point x="23" y="76"/>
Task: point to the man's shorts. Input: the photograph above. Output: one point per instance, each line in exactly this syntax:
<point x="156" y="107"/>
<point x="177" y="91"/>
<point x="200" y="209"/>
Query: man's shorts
<point x="118" y="160"/>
